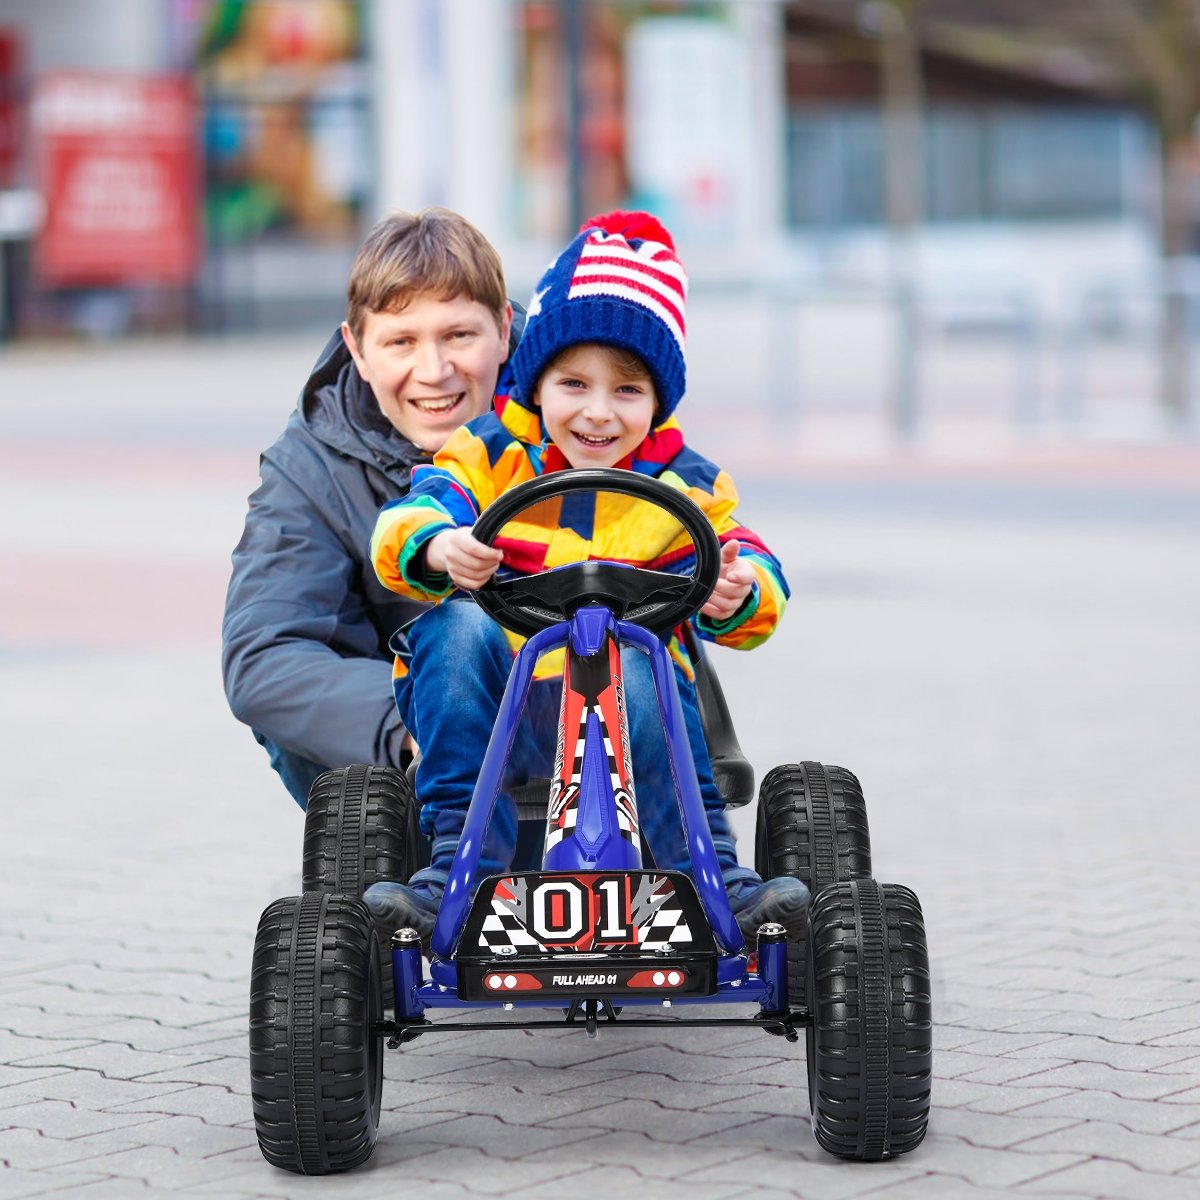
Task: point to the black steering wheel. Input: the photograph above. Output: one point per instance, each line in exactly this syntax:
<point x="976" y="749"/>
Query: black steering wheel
<point x="656" y="600"/>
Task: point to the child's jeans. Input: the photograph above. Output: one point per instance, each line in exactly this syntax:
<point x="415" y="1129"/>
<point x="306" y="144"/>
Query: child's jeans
<point x="459" y="663"/>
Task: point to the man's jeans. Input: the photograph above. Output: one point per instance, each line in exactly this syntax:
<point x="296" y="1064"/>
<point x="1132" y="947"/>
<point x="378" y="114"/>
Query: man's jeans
<point x="298" y="773"/>
<point x="459" y="663"/>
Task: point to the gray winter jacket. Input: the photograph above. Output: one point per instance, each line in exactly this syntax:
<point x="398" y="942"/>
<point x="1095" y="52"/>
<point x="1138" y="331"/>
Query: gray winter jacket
<point x="306" y="627"/>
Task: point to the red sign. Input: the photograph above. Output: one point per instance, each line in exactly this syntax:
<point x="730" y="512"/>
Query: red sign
<point x="10" y="64"/>
<point x="118" y="168"/>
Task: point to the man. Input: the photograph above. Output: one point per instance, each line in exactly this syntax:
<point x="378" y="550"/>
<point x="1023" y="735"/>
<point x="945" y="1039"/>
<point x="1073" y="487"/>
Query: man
<point x="307" y="624"/>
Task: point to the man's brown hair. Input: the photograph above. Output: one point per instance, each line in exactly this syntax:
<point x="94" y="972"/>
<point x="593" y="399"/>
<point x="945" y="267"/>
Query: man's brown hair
<point x="435" y="251"/>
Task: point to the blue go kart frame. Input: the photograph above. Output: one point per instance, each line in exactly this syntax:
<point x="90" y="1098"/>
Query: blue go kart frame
<point x="590" y="931"/>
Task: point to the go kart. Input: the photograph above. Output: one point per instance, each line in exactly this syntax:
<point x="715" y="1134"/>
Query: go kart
<point x="588" y="930"/>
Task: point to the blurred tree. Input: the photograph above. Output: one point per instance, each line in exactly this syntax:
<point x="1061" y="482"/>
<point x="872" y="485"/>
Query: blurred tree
<point x="1142" y="51"/>
<point x="1146" y="50"/>
<point x="1160" y="45"/>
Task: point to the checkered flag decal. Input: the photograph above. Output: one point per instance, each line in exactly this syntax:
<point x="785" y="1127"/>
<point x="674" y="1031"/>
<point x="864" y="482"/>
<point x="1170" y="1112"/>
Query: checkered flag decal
<point x="655" y="913"/>
<point x="564" y="802"/>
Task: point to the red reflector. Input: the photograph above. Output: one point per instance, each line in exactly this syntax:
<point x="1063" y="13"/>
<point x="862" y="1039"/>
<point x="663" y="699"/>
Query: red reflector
<point x="672" y="977"/>
<point x="510" y="981"/>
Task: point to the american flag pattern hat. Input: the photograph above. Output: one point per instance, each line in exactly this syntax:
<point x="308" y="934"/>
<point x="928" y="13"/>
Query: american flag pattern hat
<point x="618" y="283"/>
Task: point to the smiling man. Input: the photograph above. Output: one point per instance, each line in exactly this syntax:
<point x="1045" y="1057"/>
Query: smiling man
<point x="305" y="637"/>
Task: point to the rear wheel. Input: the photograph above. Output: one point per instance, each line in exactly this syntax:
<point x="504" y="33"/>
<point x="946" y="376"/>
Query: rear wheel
<point x="812" y="825"/>
<point x="316" y="1073"/>
<point x="360" y="827"/>
<point x="870" y="1045"/>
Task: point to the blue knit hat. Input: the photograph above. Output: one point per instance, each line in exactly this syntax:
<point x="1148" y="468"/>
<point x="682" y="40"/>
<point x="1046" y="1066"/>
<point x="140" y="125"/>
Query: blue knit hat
<point x="618" y="283"/>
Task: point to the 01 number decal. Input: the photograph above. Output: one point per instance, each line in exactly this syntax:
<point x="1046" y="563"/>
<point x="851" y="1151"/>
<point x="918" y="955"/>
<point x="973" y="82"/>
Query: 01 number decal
<point x="576" y="912"/>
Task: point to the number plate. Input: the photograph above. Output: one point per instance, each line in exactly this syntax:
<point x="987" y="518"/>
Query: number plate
<point x="567" y="933"/>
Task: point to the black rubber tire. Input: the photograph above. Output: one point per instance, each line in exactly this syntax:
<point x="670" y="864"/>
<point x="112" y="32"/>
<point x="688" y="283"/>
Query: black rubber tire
<point x="316" y="1074"/>
<point x="812" y="825"/>
<point x="870" y="1043"/>
<point x="360" y="827"/>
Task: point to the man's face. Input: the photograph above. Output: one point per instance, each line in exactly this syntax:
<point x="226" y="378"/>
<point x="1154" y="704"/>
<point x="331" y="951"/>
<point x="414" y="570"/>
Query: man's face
<point x="433" y="365"/>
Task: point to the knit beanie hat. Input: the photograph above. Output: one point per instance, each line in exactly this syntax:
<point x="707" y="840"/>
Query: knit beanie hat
<point x="618" y="283"/>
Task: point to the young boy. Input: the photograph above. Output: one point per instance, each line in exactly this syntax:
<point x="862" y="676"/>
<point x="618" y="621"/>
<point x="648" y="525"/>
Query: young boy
<point x="597" y="376"/>
<point x="305" y="636"/>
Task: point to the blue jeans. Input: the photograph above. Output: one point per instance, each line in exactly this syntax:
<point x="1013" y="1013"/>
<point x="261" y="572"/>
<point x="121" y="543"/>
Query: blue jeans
<point x="459" y="663"/>
<point x="298" y="773"/>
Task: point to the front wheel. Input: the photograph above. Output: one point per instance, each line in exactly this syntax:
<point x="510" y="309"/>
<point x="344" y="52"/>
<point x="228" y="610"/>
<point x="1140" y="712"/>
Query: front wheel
<point x="316" y="1073"/>
<point x="870" y="1043"/>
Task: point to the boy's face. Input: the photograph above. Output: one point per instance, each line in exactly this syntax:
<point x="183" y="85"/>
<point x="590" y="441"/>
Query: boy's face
<point x="433" y="365"/>
<point x="595" y="413"/>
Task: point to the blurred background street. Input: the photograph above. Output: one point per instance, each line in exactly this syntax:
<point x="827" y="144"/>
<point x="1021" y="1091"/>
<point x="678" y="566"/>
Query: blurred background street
<point x="959" y="401"/>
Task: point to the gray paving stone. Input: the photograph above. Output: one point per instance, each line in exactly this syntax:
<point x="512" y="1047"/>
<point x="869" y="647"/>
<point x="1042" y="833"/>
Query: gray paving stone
<point x="528" y="1076"/>
<point x="118" y="1189"/>
<point x="61" y="1119"/>
<point x="636" y="1085"/>
<point x="1141" y="1116"/>
<point x="18" y="1049"/>
<point x="625" y="1183"/>
<point x="1140" y="1029"/>
<point x="822" y="1179"/>
<point x="768" y="1100"/>
<point x="1123" y="1055"/>
<point x="30" y="1150"/>
<point x="509" y="1104"/>
<point x="214" y="1105"/>
<point x="1117" y="1181"/>
<point x="989" y="1167"/>
<point x="166" y="1165"/>
<point x="990" y="1097"/>
<point x="1189" y="1038"/>
<point x="1132" y="1085"/>
<point x="404" y="1095"/>
<point x="640" y="1116"/>
<point x="95" y="1006"/>
<point x="138" y="1033"/>
<point x="1145" y="1152"/>
<point x="192" y="1137"/>
<point x="16" y="1183"/>
<point x="26" y="1022"/>
<point x="230" y="1073"/>
<point x="998" y="1131"/>
<point x="114" y="1060"/>
<point x="1011" y="1069"/>
<point x="415" y="1163"/>
<point x="86" y="1089"/>
<point x="16" y="1074"/>
<point x="493" y="1136"/>
<point x="949" y="1187"/>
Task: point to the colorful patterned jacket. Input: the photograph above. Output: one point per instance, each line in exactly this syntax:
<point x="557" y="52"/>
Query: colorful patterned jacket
<point x="508" y="446"/>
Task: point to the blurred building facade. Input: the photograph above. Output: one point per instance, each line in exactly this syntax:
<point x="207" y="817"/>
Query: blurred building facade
<point x="752" y="127"/>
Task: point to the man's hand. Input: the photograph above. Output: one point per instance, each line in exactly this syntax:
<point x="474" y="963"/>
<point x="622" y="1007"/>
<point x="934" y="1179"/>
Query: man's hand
<point x="469" y="563"/>
<point x="737" y="578"/>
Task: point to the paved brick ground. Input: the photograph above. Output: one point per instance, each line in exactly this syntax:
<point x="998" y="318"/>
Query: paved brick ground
<point x="997" y="635"/>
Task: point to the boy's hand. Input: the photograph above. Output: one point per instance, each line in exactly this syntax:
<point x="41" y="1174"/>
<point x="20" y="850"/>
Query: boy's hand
<point x="469" y="563"/>
<point x="737" y="578"/>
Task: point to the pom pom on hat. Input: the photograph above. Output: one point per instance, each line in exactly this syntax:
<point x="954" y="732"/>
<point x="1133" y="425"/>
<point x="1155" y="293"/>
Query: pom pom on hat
<point x="619" y="283"/>
<point x="642" y="225"/>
